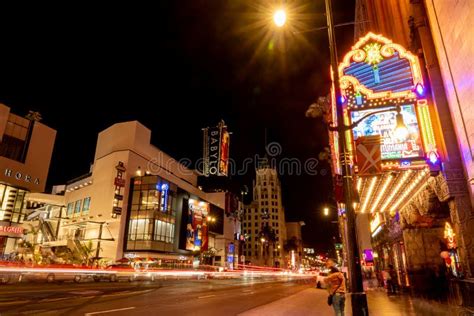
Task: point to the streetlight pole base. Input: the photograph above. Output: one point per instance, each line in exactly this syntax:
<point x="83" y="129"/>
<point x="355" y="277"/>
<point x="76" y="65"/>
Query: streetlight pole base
<point x="358" y="303"/>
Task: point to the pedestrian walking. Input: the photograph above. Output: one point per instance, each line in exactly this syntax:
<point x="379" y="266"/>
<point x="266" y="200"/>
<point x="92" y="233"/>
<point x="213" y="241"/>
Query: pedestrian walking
<point x="337" y="289"/>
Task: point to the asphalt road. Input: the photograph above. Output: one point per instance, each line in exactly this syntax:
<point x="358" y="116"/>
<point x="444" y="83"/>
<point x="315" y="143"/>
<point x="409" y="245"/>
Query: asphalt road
<point x="164" y="297"/>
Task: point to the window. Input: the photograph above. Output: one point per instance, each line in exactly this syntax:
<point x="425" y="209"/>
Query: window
<point x="14" y="139"/>
<point x="139" y="229"/>
<point x="70" y="208"/>
<point x="77" y="207"/>
<point x="163" y="231"/>
<point x="264" y="183"/>
<point x="256" y="231"/>
<point x="86" y="205"/>
<point x="256" y="217"/>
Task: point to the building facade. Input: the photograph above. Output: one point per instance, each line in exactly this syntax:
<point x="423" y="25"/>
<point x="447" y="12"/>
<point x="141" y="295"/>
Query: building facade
<point x="26" y="146"/>
<point x="263" y="222"/>
<point x="136" y="202"/>
<point x="412" y="231"/>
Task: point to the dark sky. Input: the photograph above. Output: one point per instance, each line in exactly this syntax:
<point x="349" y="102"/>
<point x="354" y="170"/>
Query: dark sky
<point x="178" y="66"/>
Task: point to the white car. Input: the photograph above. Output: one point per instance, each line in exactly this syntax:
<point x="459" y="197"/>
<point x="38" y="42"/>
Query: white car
<point x="320" y="283"/>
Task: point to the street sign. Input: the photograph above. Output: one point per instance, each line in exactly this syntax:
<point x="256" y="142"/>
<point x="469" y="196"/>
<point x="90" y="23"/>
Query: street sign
<point x="119" y="182"/>
<point x="117" y="210"/>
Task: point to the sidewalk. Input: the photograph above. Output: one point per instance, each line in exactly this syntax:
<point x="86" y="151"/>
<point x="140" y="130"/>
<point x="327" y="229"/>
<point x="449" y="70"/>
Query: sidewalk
<point x="313" y="302"/>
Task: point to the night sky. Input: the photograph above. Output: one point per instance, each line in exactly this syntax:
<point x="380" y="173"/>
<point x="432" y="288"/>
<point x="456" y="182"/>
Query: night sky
<point x="178" y="66"/>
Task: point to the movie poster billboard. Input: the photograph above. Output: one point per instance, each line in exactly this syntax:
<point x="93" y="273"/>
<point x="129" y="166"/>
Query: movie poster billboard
<point x="196" y="228"/>
<point x="384" y="124"/>
<point x="224" y="152"/>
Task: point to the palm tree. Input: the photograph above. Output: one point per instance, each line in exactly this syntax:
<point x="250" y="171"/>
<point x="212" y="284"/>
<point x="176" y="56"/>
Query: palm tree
<point x="88" y="251"/>
<point x="34" y="230"/>
<point x="267" y="237"/>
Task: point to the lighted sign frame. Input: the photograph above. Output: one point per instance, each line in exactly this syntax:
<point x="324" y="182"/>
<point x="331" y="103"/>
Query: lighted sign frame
<point x="372" y="49"/>
<point x="387" y="50"/>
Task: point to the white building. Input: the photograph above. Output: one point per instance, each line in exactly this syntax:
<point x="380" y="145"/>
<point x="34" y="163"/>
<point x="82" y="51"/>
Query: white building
<point x="266" y="210"/>
<point x="26" y="146"/>
<point x="136" y="202"/>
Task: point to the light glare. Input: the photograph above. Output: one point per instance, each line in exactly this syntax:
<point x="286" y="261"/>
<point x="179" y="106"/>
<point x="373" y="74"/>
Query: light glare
<point x="279" y="17"/>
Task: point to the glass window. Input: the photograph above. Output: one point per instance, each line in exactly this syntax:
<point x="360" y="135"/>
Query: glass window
<point x="139" y="229"/>
<point x="70" y="208"/>
<point x="86" y="205"/>
<point x="77" y="207"/>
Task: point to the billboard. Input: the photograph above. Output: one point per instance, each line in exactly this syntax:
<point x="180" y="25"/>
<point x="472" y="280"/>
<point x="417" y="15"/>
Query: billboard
<point x="196" y="226"/>
<point x="384" y="124"/>
<point x="224" y="152"/>
<point x="216" y="150"/>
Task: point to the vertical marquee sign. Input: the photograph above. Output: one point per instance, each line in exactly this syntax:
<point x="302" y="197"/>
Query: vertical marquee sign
<point x="216" y="150"/>
<point x="119" y="184"/>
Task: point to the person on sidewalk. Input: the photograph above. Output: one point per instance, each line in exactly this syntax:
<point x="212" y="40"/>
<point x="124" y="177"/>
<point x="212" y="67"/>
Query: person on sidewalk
<point x="336" y="287"/>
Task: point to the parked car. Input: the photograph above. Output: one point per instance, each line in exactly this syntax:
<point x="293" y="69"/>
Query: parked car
<point x="10" y="277"/>
<point x="320" y="283"/>
<point x="51" y="277"/>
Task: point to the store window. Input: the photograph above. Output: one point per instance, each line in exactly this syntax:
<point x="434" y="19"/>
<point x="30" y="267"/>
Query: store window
<point x="152" y="214"/>
<point x="140" y="229"/>
<point x="11" y="202"/>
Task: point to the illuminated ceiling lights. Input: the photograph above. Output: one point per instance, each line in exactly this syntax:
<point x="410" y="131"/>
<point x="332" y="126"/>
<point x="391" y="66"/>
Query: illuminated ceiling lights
<point x="359" y="184"/>
<point x="400" y="183"/>
<point x="369" y="194"/>
<point x="381" y="192"/>
<point x="413" y="185"/>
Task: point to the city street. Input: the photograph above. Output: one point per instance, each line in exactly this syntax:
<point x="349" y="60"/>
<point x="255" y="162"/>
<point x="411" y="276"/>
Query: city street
<point x="245" y="297"/>
<point x="167" y="297"/>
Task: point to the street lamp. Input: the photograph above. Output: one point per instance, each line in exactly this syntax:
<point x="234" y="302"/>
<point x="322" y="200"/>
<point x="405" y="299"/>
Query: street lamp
<point x="279" y="17"/>
<point x="357" y="294"/>
<point x="326" y="211"/>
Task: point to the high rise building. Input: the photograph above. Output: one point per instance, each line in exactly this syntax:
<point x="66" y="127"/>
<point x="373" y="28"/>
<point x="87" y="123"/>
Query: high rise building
<point x="264" y="221"/>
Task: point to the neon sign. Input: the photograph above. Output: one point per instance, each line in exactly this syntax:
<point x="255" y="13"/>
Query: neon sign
<point x="449" y="236"/>
<point x="164" y="188"/>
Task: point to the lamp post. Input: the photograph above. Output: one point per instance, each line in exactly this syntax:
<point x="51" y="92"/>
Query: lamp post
<point x="357" y="294"/>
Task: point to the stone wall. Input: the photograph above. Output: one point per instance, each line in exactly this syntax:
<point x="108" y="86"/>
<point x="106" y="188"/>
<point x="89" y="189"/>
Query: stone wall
<point x="422" y="250"/>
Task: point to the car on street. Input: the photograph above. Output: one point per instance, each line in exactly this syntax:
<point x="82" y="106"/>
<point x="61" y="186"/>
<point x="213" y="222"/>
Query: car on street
<point x="320" y="282"/>
<point x="124" y="272"/>
<point x="52" y="276"/>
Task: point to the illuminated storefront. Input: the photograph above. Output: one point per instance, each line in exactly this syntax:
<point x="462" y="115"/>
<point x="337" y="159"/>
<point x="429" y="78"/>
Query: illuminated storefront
<point x="397" y="154"/>
<point x="26" y="147"/>
<point x="152" y="215"/>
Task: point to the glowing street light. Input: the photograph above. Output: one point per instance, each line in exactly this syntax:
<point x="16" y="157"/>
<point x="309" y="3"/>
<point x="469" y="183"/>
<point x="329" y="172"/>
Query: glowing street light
<point x="326" y="211"/>
<point x="279" y="17"/>
<point x="401" y="131"/>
